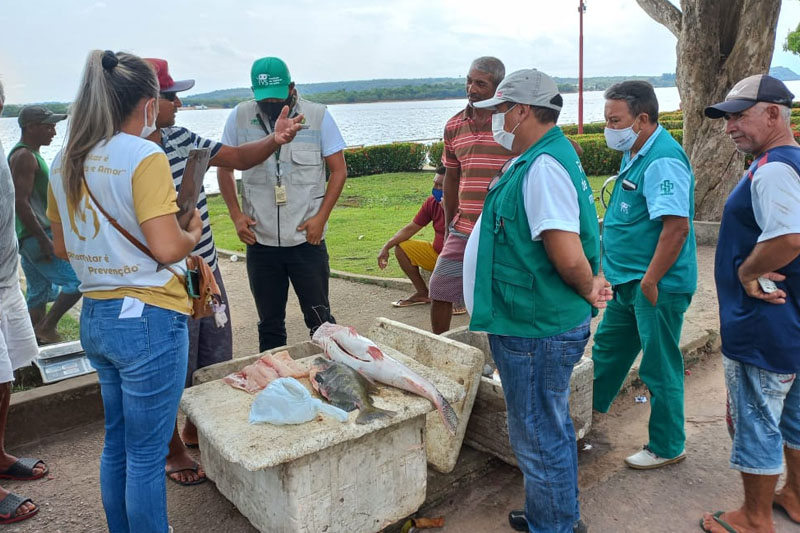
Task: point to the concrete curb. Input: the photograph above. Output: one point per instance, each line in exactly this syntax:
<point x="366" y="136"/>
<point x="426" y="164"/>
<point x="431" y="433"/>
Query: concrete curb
<point x="390" y="283"/>
<point x="706" y="234"/>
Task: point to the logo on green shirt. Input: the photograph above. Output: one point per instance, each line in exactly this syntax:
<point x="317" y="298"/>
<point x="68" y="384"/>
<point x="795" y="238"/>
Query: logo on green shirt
<point x="666" y="187"/>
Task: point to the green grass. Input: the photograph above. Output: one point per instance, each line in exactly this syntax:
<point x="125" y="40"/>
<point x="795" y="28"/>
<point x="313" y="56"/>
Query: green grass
<point x="370" y="210"/>
<point x="69" y="328"/>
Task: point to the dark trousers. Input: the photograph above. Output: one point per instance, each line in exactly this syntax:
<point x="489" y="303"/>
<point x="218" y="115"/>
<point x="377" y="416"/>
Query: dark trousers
<point x="270" y="268"/>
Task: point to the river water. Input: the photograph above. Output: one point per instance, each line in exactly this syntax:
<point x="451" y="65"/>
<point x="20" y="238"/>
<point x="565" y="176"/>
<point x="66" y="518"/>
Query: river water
<point x="368" y="124"/>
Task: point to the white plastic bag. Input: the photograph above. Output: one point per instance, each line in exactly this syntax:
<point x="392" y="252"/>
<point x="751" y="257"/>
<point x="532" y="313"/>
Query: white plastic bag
<point x="287" y="401"/>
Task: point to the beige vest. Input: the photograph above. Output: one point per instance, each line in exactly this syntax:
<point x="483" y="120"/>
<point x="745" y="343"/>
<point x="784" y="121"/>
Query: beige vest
<point x="302" y="173"/>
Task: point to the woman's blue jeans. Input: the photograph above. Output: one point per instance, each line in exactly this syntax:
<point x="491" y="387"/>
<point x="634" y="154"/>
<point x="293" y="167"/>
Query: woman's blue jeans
<point x="141" y="366"/>
<point x="536" y="383"/>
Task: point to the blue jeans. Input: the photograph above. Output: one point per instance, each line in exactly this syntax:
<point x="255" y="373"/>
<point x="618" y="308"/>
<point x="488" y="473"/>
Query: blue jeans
<point x="763" y="417"/>
<point x="536" y="383"/>
<point x="141" y="366"/>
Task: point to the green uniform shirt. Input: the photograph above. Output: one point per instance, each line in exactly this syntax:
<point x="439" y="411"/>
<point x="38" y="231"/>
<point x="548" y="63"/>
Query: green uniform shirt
<point x="518" y="291"/>
<point x="38" y="198"/>
<point x="657" y="182"/>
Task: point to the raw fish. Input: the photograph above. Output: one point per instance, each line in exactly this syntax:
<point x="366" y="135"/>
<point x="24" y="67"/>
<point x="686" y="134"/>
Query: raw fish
<point x="346" y="389"/>
<point x="345" y="345"/>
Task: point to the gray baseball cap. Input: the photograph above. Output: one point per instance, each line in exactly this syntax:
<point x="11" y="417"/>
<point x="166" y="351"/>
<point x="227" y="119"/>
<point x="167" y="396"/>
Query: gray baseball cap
<point x="748" y="92"/>
<point x="38" y="114"/>
<point x="527" y="86"/>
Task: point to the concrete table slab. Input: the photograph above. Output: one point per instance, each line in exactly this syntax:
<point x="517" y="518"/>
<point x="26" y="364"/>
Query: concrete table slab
<point x="323" y="475"/>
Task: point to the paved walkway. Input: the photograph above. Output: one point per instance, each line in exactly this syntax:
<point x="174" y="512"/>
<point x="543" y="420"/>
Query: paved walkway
<point x="614" y="498"/>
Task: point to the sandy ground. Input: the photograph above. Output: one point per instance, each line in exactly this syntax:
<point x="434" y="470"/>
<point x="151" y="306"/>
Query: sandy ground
<point x="614" y="498"/>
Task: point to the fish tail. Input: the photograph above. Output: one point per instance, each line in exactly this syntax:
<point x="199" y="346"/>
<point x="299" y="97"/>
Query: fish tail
<point x="449" y="416"/>
<point x="372" y="413"/>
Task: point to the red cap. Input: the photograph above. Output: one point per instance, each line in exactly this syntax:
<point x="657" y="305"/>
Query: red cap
<point x="165" y="81"/>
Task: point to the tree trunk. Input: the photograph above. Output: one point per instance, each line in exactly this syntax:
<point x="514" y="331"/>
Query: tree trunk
<point x="719" y="43"/>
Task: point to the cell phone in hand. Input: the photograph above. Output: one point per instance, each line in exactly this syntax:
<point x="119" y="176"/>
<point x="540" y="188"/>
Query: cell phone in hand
<point x="767" y="285"/>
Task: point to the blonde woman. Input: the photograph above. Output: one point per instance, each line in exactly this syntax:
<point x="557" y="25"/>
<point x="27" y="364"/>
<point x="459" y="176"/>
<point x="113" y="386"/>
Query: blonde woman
<point x="133" y="321"/>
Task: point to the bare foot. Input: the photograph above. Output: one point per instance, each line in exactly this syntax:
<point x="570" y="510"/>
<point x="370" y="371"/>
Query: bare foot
<point x="7" y="460"/>
<point x="182" y="468"/>
<point x="737" y="520"/>
<point x="189" y="434"/>
<point x="47" y="336"/>
<point x="788" y="500"/>
<point x="23" y="509"/>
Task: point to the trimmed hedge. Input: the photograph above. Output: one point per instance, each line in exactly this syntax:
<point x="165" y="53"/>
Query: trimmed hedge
<point x="598" y="159"/>
<point x="435" y="152"/>
<point x="384" y="158"/>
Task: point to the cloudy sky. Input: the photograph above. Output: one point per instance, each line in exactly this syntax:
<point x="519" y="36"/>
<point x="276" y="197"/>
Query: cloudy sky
<point x="43" y="43"/>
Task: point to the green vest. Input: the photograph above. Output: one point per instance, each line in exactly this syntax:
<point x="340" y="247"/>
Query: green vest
<point x="518" y="291"/>
<point x="39" y="194"/>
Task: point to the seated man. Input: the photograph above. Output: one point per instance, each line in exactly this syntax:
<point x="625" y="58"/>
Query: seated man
<point x="415" y="254"/>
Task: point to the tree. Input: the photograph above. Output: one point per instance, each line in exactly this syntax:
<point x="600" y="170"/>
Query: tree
<point x="719" y="43"/>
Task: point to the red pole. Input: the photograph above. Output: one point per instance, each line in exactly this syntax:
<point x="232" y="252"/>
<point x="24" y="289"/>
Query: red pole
<point x="581" y="9"/>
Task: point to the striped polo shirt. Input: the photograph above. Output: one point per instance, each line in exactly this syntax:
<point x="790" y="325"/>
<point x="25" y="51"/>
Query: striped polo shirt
<point x="176" y="143"/>
<point x="471" y="148"/>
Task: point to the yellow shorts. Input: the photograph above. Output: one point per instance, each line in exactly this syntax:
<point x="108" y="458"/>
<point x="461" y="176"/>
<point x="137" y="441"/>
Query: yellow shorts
<point x="421" y="253"/>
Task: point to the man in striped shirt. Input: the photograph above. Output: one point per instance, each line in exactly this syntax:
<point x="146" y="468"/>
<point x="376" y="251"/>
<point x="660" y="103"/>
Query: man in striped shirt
<point x="208" y="343"/>
<point x="472" y="158"/>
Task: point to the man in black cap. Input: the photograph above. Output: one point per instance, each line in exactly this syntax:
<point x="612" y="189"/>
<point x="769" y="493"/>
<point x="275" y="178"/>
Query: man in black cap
<point x="209" y="342"/>
<point x="42" y="268"/>
<point x="757" y="272"/>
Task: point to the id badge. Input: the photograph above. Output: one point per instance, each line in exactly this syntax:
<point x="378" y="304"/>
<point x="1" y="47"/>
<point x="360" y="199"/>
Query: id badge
<point x="280" y="194"/>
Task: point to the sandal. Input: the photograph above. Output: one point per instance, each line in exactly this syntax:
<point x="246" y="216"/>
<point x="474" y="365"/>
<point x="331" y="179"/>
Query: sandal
<point x="717" y="518"/>
<point x="9" y="506"/>
<point x="408" y="302"/>
<point x="22" y="470"/>
<point x="194" y="468"/>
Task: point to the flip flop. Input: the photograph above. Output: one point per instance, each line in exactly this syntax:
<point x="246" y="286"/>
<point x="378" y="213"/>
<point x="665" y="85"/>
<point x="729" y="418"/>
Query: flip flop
<point x="716" y="516"/>
<point x="776" y="505"/>
<point x="22" y="470"/>
<point x="194" y="468"/>
<point x="9" y="506"/>
<point x="459" y="311"/>
<point x="405" y="302"/>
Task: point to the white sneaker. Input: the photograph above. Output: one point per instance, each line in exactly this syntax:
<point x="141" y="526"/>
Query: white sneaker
<point x="645" y="460"/>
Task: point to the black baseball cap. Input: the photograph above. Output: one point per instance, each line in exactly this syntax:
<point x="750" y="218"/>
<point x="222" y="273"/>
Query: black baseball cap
<point x="750" y="91"/>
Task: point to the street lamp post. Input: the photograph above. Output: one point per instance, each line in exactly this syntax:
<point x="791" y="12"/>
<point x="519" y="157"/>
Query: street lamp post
<point x="581" y="11"/>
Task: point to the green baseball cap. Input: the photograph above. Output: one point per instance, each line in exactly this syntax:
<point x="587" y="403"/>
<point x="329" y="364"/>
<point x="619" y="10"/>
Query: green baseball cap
<point x="270" y="78"/>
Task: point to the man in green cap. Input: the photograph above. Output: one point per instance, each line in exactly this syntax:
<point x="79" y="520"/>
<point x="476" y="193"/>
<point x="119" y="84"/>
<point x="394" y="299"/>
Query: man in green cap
<point x="42" y="268"/>
<point x="285" y="203"/>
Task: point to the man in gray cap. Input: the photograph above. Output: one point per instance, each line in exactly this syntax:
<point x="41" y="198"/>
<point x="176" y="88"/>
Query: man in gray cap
<point x="43" y="270"/>
<point x="531" y="282"/>
<point x="757" y="272"/>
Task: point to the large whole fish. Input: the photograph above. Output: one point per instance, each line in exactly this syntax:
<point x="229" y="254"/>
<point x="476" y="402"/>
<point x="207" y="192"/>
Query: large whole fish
<point x="345" y="345"/>
<point x="346" y="389"/>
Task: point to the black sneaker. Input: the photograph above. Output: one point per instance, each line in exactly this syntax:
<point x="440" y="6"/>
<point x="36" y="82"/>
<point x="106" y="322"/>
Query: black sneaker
<point x="516" y="519"/>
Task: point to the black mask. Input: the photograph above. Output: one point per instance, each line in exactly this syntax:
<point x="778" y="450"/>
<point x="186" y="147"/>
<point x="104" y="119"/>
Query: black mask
<point x="273" y="109"/>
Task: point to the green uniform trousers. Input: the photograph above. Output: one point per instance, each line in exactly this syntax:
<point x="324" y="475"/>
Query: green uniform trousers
<point x="631" y="323"/>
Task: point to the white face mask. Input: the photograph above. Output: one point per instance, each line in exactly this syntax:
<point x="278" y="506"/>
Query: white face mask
<point x="621" y="140"/>
<point x="147" y="129"/>
<point x="501" y="136"/>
